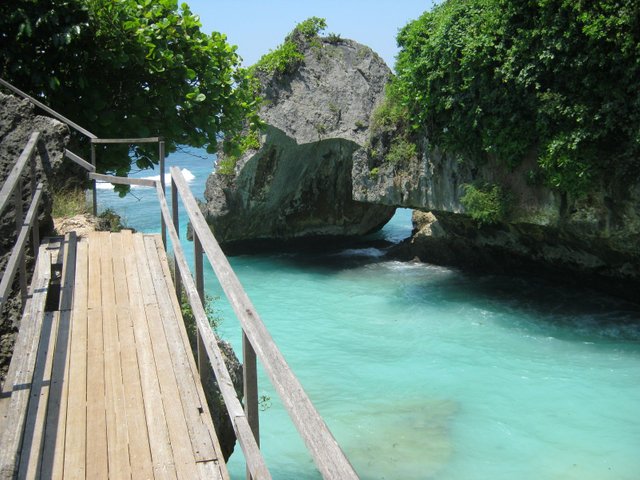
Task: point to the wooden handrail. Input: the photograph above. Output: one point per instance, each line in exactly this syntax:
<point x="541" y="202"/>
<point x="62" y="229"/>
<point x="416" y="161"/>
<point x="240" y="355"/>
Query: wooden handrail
<point x="327" y="454"/>
<point x="143" y="182"/>
<point x="79" y="160"/>
<point x="126" y="140"/>
<point x="17" y="253"/>
<point x="245" y="437"/>
<point x="13" y="187"/>
<point x="13" y="179"/>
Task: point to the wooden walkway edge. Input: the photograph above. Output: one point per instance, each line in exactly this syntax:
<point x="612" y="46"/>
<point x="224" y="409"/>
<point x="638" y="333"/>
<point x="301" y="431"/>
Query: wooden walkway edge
<point x="113" y="390"/>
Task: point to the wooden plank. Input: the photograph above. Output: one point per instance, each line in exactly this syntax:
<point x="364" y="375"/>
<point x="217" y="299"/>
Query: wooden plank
<point x="194" y="409"/>
<point x="178" y="432"/>
<point x="126" y="140"/>
<point x="245" y="437"/>
<point x="96" y="457"/>
<point x="192" y="406"/>
<point x="145" y="182"/>
<point x="76" y="419"/>
<point x="139" y="450"/>
<point x="116" y="418"/>
<point x="22" y="368"/>
<point x="327" y="454"/>
<point x="34" y="435"/>
<point x="79" y="160"/>
<point x="162" y="457"/>
<point x="52" y="463"/>
<point x="67" y="279"/>
<point x="53" y="452"/>
<point x="219" y="464"/>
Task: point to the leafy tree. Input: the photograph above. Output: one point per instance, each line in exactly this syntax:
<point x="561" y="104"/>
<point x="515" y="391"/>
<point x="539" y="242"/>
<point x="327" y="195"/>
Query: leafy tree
<point x="126" y="68"/>
<point x="499" y="78"/>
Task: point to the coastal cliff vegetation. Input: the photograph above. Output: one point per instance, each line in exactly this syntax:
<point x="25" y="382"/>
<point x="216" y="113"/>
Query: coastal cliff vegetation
<point x="497" y="80"/>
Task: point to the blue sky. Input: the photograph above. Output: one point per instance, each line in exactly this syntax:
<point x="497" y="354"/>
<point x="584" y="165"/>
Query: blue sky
<point x="258" y="26"/>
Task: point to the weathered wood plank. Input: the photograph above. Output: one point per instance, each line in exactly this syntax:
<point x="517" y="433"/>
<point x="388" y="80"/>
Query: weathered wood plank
<point x="79" y="160"/>
<point x="32" y="444"/>
<point x="327" y="454"/>
<point x="160" y="446"/>
<point x="145" y="182"/>
<point x="67" y="279"/>
<point x="139" y="450"/>
<point x="178" y="432"/>
<point x="116" y="419"/>
<point x="76" y="418"/>
<point x="52" y="464"/>
<point x="194" y="410"/>
<point x="21" y="370"/>
<point x="96" y="459"/>
<point x="53" y="452"/>
<point x="126" y="140"/>
<point x="218" y="465"/>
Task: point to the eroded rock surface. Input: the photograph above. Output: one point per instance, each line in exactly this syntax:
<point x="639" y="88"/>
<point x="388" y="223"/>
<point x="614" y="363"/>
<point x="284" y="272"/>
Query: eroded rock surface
<point x="297" y="185"/>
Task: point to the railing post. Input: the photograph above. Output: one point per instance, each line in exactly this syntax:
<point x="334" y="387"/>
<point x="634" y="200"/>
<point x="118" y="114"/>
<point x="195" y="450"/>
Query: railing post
<point x="176" y="224"/>
<point x="95" y="191"/>
<point x="250" y="387"/>
<point x="197" y="259"/>
<point x="163" y="227"/>
<point x="35" y="230"/>
<point x="17" y="195"/>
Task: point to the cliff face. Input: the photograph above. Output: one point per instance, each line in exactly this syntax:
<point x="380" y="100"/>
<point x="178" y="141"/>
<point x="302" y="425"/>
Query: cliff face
<point x="595" y="239"/>
<point x="297" y="185"/>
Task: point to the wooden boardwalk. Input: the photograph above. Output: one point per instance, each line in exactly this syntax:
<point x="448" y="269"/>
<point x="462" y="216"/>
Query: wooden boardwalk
<point x="115" y="391"/>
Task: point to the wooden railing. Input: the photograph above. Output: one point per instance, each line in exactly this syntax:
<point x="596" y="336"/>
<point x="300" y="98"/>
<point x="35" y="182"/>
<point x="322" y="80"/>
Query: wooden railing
<point x="13" y="187"/>
<point x="257" y="342"/>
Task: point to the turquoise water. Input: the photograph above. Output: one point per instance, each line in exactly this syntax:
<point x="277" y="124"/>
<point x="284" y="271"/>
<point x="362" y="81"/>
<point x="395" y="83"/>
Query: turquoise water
<point x="424" y="372"/>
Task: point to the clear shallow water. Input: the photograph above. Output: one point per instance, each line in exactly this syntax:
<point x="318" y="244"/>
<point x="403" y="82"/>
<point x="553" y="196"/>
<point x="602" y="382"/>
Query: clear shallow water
<point x="424" y="372"/>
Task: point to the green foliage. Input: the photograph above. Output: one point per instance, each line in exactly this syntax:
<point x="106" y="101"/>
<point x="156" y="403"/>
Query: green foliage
<point x="484" y="203"/>
<point x="235" y="149"/>
<point x="497" y="78"/>
<point x="391" y="114"/>
<point x="110" y="221"/>
<point x="190" y="321"/>
<point x="308" y="29"/>
<point x="391" y="120"/>
<point x="285" y="58"/>
<point x="334" y="38"/>
<point x="288" y="56"/>
<point x="400" y="151"/>
<point x="127" y="68"/>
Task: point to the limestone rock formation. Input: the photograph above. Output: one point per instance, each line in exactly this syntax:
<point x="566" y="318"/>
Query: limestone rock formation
<point x="297" y="185"/>
<point x="595" y="239"/>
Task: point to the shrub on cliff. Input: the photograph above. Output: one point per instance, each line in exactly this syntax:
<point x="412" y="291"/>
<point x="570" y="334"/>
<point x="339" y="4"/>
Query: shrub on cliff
<point x="497" y="78"/>
<point x="126" y="68"/>
<point x="286" y="57"/>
